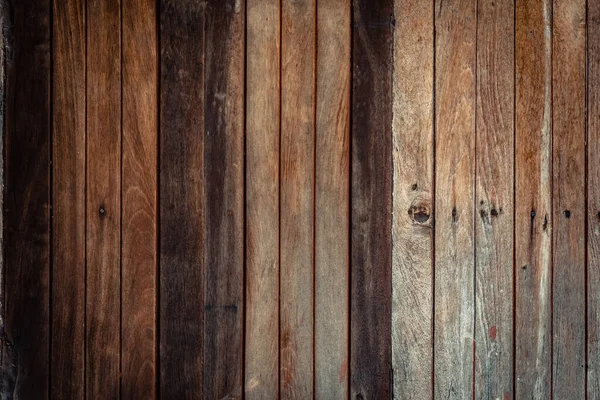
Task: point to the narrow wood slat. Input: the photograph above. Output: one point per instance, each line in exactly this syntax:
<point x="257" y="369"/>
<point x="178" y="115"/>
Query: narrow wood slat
<point x="297" y="197"/>
<point x="412" y="228"/>
<point x="371" y="194"/>
<point x="568" y="283"/>
<point x="182" y="207"/>
<point x="139" y="196"/>
<point x="224" y="199"/>
<point x="103" y="199"/>
<point x="533" y="198"/>
<point x="332" y="200"/>
<point x="262" y="198"/>
<point x="68" y="200"/>
<point x="27" y="198"/>
<point x="494" y="195"/>
<point x="454" y="198"/>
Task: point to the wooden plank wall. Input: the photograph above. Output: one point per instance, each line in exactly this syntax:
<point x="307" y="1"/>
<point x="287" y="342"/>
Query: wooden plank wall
<point x="301" y="199"/>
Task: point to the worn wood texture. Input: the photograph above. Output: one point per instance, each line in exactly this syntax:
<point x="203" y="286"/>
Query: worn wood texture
<point x="533" y="198"/>
<point x="103" y="202"/>
<point x="371" y="194"/>
<point x="568" y="198"/>
<point x="454" y="198"/>
<point x="332" y="200"/>
<point x="182" y="207"/>
<point x="297" y="166"/>
<point x="494" y="195"/>
<point x="68" y="199"/>
<point x="413" y="217"/>
<point x="262" y="198"/>
<point x="224" y="199"/>
<point x="27" y="198"/>
<point x="139" y="197"/>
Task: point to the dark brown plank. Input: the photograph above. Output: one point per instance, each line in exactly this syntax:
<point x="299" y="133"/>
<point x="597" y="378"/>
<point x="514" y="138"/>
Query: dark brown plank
<point x="494" y="195"/>
<point x="103" y="199"/>
<point x="533" y="198"/>
<point x="413" y="220"/>
<point x="27" y="197"/>
<point x="68" y="200"/>
<point x="454" y="198"/>
<point x="139" y="196"/>
<point x="224" y="199"/>
<point x="182" y="208"/>
<point x="332" y="200"/>
<point x="298" y="42"/>
<point x="568" y="199"/>
<point x="371" y="191"/>
<point x="262" y="199"/>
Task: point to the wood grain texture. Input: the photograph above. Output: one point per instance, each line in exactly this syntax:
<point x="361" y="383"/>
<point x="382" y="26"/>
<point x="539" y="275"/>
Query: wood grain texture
<point x="298" y="41"/>
<point x="27" y="197"/>
<point x="103" y="355"/>
<point x="371" y="191"/>
<point x="332" y="200"/>
<point x="533" y="198"/>
<point x="182" y="207"/>
<point x="224" y="199"/>
<point x="68" y="199"/>
<point x="139" y="196"/>
<point x="412" y="227"/>
<point x="494" y="195"/>
<point x="454" y="198"/>
<point x="569" y="130"/>
<point x="262" y="198"/>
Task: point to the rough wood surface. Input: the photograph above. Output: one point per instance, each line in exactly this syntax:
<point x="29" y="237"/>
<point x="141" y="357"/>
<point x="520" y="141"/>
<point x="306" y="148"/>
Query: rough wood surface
<point x="224" y="199"/>
<point x="68" y="199"/>
<point x="139" y="197"/>
<point x="182" y="207"/>
<point x="454" y="198"/>
<point x="533" y="198"/>
<point x="412" y="227"/>
<point x="568" y="199"/>
<point x="494" y="196"/>
<point x="332" y="200"/>
<point x="262" y="198"/>
<point x="371" y="194"/>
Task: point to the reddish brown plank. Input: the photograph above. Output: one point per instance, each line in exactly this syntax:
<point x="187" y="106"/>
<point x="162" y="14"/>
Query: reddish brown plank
<point x="533" y="198"/>
<point x="371" y="191"/>
<point x="139" y="196"/>
<point x="332" y="200"/>
<point x="68" y="200"/>
<point x="27" y="197"/>
<point x="262" y="199"/>
<point x="454" y="198"/>
<point x="224" y="199"/>
<point x="568" y="199"/>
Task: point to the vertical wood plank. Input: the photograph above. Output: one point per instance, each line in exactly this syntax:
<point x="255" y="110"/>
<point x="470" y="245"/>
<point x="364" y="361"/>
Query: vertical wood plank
<point x="139" y="215"/>
<point x="593" y="232"/>
<point x="262" y="198"/>
<point x="182" y="208"/>
<point x="412" y="228"/>
<point x="68" y="194"/>
<point x="371" y="191"/>
<point x="27" y="197"/>
<point x="224" y="199"/>
<point x="332" y="200"/>
<point x="296" y="194"/>
<point x="454" y="198"/>
<point x="568" y="283"/>
<point x="533" y="198"/>
<point x="494" y="194"/>
<point x="103" y="200"/>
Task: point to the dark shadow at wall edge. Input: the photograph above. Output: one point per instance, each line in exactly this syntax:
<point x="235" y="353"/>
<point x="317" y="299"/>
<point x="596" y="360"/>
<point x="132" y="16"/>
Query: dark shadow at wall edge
<point x="8" y="356"/>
